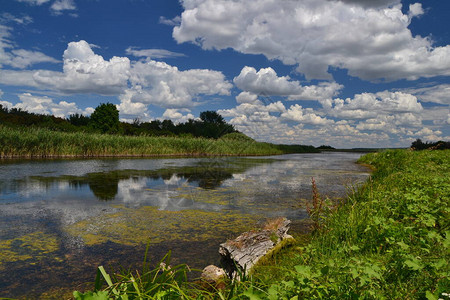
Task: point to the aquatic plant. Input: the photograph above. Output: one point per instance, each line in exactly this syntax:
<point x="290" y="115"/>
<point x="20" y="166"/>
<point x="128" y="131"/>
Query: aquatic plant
<point x="30" y="247"/>
<point x="135" y="226"/>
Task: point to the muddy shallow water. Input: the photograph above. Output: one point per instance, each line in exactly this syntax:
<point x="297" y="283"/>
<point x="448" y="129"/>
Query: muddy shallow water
<point x="60" y="219"/>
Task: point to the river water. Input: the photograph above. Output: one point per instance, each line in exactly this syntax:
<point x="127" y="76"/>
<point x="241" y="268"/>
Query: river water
<point x="60" y="219"/>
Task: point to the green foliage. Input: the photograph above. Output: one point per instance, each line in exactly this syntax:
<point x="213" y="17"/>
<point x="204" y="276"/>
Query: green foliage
<point x="211" y="117"/>
<point x="166" y="282"/>
<point x="160" y="282"/>
<point x="35" y="142"/>
<point x="325" y="147"/>
<point x="389" y="240"/>
<point x="321" y="208"/>
<point x="105" y="118"/>
<point x="100" y="295"/>
<point x="78" y="120"/>
<point x="16" y="117"/>
<point x="213" y="125"/>
<point x="439" y="145"/>
<point x="237" y="136"/>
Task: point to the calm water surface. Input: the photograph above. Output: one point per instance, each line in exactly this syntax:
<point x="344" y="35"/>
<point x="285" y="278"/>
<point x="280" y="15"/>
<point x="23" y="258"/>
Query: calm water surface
<point x="60" y="219"/>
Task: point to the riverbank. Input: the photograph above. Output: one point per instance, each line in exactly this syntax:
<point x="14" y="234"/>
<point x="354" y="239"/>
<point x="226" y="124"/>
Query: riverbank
<point x="390" y="239"/>
<point x="45" y="143"/>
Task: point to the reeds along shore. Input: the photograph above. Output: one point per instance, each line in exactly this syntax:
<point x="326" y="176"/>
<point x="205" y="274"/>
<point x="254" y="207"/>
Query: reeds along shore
<point x="44" y="143"/>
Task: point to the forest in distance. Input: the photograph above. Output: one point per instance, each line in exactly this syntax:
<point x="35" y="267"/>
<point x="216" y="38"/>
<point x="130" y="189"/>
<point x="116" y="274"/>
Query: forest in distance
<point x="105" y="120"/>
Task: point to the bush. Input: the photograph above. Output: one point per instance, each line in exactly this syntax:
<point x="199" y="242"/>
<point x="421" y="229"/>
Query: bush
<point x="105" y="118"/>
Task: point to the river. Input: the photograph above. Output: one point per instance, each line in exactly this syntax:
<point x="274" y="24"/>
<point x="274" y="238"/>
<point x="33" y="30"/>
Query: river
<point x="60" y="219"/>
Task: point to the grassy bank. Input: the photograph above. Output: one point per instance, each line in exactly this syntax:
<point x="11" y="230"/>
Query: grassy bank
<point x="38" y="142"/>
<point x="389" y="240"/>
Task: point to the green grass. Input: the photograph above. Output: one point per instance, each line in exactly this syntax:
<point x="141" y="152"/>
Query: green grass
<point x="389" y="240"/>
<point x="41" y="143"/>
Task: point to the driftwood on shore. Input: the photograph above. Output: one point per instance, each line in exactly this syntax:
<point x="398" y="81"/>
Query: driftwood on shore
<point x="242" y="253"/>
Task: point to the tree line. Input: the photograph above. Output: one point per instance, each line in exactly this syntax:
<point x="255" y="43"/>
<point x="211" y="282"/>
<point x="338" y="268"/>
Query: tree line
<point x="105" y="119"/>
<point x="439" y="145"/>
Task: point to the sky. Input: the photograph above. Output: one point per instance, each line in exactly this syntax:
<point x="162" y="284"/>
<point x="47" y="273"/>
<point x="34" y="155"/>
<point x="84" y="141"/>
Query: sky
<point x="345" y="73"/>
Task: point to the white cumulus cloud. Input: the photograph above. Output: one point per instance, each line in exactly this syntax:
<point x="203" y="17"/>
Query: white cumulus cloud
<point x="305" y="116"/>
<point x="367" y="105"/>
<point x="164" y="85"/>
<point x="176" y="115"/>
<point x="437" y="93"/>
<point x="371" y="3"/>
<point x="46" y="105"/>
<point x="138" y="84"/>
<point x="86" y="72"/>
<point x="267" y="82"/>
<point x="371" y="42"/>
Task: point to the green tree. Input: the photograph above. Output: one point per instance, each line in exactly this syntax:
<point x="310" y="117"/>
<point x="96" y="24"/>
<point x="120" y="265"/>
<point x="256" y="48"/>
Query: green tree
<point x="105" y="118"/>
<point x="211" y="116"/>
<point x="213" y="125"/>
<point x="78" y="120"/>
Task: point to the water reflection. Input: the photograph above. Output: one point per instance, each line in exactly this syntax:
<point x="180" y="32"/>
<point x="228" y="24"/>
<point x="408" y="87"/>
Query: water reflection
<point x="87" y="207"/>
<point x="105" y="185"/>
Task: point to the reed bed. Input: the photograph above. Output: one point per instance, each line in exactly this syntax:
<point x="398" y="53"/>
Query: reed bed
<point x="44" y="143"/>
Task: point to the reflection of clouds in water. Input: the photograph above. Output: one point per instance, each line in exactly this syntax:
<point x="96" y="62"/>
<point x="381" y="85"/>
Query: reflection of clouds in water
<point x="63" y="185"/>
<point x="265" y="185"/>
<point x="32" y="188"/>
<point x="236" y="177"/>
<point x="333" y="173"/>
<point x="175" y="180"/>
<point x="136" y="193"/>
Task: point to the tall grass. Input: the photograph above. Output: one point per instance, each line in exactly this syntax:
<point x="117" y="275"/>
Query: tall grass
<point x="38" y="142"/>
<point x="390" y="240"/>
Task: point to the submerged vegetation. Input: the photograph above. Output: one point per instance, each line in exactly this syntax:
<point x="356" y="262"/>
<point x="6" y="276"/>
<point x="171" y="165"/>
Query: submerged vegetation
<point x="136" y="226"/>
<point x="390" y="239"/>
<point x="33" y="245"/>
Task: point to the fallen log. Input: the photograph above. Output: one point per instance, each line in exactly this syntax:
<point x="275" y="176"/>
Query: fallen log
<point x="239" y="255"/>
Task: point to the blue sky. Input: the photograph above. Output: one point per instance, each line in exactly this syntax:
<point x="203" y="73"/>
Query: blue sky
<point x="349" y="73"/>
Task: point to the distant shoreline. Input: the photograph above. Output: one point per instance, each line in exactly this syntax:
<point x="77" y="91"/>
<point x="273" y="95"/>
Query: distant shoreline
<point x="40" y="143"/>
